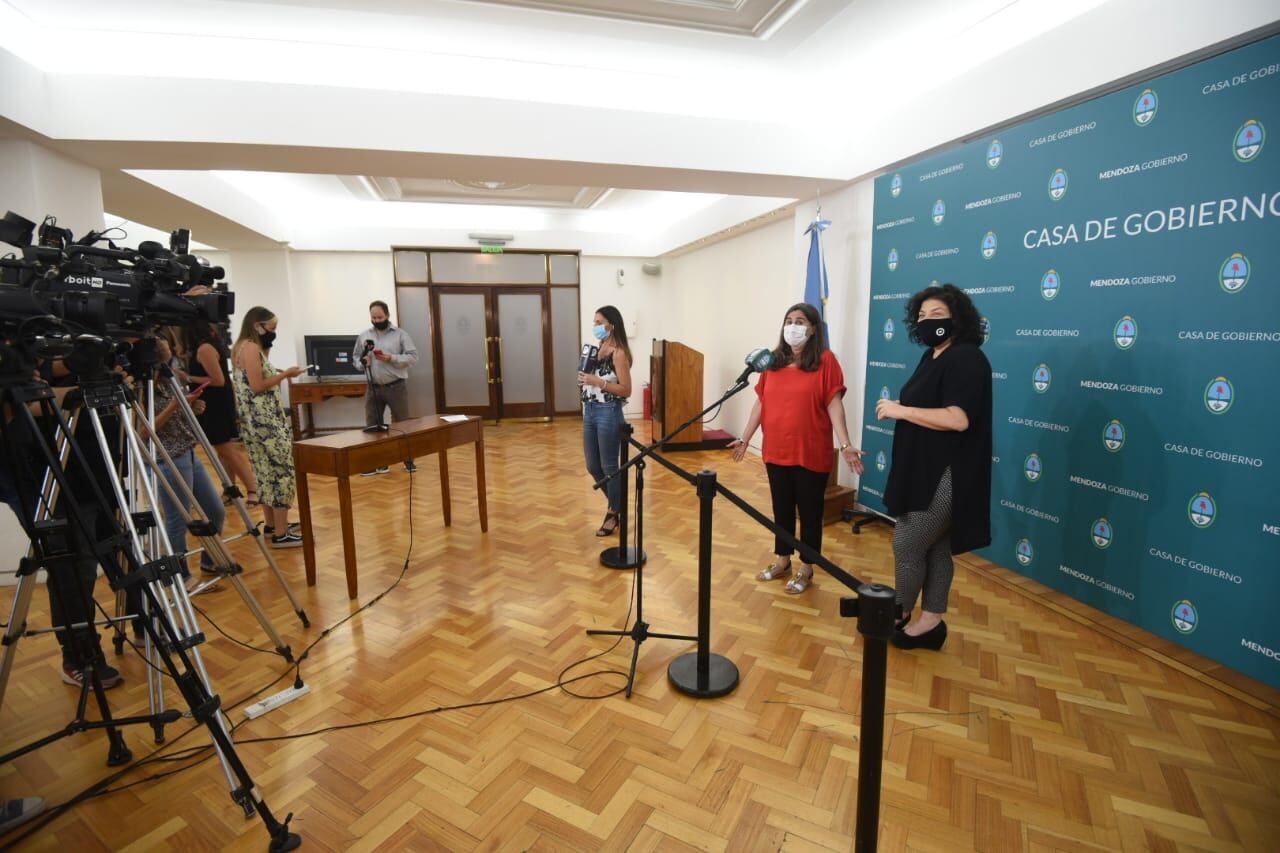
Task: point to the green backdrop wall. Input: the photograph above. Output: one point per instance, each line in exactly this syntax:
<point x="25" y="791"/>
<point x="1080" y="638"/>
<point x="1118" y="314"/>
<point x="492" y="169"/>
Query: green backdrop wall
<point x="1124" y="254"/>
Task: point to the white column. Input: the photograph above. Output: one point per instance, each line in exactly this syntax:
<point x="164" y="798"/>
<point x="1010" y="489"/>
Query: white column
<point x="36" y="181"/>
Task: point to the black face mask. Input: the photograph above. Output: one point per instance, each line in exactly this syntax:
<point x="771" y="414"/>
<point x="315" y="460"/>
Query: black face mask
<point x="382" y="325"/>
<point x="934" y="332"/>
<point x="267" y="338"/>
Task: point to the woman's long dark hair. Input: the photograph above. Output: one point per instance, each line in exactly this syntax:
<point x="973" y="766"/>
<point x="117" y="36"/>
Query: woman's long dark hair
<point x="964" y="315"/>
<point x="614" y="318"/>
<point x="811" y="356"/>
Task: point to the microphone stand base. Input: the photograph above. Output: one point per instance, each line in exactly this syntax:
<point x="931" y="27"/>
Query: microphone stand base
<point x="721" y="676"/>
<point x="622" y="557"/>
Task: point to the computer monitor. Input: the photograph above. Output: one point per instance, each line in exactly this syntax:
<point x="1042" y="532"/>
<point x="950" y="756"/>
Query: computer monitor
<point x="331" y="355"/>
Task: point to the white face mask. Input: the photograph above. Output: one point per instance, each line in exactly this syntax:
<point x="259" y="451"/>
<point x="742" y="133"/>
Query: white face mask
<point x="795" y="334"/>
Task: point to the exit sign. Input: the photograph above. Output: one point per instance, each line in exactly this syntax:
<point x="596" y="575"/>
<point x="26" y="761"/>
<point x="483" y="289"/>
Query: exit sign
<point x="491" y="250"/>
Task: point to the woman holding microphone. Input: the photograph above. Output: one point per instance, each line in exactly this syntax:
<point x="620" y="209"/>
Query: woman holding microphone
<point x="799" y="402"/>
<point x="604" y="392"/>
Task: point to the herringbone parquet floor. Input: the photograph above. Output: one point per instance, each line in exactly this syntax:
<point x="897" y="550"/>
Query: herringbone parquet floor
<point x="1030" y="731"/>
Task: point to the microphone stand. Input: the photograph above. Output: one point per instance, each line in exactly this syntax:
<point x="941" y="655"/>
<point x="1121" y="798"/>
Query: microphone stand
<point x="726" y="674"/>
<point x="368" y="375"/>
<point x="705" y="675"/>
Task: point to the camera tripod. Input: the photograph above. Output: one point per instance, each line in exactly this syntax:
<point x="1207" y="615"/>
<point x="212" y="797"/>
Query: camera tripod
<point x="170" y="627"/>
<point x="145" y="475"/>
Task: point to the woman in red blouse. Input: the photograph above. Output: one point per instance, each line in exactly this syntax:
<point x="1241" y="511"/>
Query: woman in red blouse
<point x="799" y="401"/>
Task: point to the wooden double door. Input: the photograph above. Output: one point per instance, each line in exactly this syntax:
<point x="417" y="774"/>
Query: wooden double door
<point x="492" y="349"/>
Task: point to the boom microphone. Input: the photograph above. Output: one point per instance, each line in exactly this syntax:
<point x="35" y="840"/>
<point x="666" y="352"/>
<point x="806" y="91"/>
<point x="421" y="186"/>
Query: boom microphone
<point x="757" y="361"/>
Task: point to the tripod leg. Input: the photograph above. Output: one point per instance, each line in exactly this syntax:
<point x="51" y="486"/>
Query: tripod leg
<point x="184" y="501"/>
<point x="17" y="621"/>
<point x="237" y="500"/>
<point x="148" y="579"/>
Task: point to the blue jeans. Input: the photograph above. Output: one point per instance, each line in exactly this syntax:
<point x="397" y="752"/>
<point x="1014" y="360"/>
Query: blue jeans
<point x="190" y="471"/>
<point x="600" y="443"/>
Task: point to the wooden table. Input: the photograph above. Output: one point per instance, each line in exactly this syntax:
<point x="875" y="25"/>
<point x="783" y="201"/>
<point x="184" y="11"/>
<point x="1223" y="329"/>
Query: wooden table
<point x="347" y="453"/>
<point x="307" y="390"/>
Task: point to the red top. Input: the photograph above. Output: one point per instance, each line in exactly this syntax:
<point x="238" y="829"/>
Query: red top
<point x="793" y="413"/>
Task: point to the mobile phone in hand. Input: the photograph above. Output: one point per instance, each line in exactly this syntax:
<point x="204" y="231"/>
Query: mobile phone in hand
<point x="200" y="388"/>
<point x="378" y="353"/>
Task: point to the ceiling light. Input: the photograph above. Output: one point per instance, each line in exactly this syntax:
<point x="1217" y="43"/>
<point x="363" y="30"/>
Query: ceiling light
<point x="491" y="239"/>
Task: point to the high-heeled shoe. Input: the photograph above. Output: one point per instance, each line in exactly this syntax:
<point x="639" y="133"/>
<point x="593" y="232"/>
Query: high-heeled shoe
<point x="610" y="524"/>
<point x="931" y="639"/>
<point x="903" y="622"/>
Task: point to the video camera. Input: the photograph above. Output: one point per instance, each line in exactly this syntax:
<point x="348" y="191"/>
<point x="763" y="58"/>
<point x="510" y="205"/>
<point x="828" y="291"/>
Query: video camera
<point x="106" y="290"/>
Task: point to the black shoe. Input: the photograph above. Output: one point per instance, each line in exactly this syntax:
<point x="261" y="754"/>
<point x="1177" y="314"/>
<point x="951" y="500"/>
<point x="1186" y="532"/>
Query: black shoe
<point x="903" y="622"/>
<point x="376" y="471"/>
<point x="289" y="540"/>
<point x="410" y="466"/>
<point x="109" y="675"/>
<point x="931" y="639"/>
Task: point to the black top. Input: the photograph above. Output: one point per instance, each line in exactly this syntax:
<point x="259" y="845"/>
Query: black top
<point x="961" y="376"/>
<point x="219" y="416"/>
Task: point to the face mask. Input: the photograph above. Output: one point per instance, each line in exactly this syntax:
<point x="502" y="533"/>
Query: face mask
<point x="794" y="334"/>
<point x="382" y="325"/>
<point x="934" y="332"/>
<point x="268" y="338"/>
<point x="600" y="332"/>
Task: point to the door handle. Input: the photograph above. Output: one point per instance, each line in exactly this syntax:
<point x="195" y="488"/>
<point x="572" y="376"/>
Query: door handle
<point x="488" y="365"/>
<point x="502" y="361"/>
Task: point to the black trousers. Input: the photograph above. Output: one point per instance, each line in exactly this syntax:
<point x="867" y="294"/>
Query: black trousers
<point x="796" y="489"/>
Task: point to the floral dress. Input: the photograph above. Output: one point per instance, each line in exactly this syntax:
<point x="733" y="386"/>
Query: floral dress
<point x="268" y="437"/>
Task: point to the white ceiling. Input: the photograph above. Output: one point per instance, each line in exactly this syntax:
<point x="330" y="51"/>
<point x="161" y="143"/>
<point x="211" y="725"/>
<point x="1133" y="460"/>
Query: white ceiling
<point x="189" y="108"/>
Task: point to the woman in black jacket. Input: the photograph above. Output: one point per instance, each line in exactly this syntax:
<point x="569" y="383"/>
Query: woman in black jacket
<point x="939" y="485"/>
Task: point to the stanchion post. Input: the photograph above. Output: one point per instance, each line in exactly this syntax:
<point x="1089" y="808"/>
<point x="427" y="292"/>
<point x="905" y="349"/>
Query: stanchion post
<point x="622" y="556"/>
<point x="876" y="610"/>
<point x="703" y="674"/>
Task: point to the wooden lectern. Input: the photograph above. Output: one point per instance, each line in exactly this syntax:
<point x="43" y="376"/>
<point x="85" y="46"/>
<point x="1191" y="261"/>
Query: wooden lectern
<point x="675" y="382"/>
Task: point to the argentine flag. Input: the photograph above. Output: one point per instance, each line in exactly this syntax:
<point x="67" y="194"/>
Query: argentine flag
<point x="816" y="287"/>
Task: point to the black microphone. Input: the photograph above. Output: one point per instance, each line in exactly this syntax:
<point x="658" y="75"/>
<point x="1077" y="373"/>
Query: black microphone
<point x="757" y="361"/>
<point x="587" y="362"/>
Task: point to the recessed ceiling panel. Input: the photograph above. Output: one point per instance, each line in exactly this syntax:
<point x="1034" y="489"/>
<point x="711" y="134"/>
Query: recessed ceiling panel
<point x="470" y="191"/>
<point x="739" y="17"/>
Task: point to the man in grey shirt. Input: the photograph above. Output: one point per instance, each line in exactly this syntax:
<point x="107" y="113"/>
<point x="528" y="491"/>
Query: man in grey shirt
<point x="389" y="352"/>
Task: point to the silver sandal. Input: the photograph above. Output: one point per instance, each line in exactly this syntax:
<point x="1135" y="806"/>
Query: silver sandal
<point x="800" y="580"/>
<point x="773" y="571"/>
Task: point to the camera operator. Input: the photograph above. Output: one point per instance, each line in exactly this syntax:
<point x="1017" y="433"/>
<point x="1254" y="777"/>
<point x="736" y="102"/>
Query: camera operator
<point x="73" y="606"/>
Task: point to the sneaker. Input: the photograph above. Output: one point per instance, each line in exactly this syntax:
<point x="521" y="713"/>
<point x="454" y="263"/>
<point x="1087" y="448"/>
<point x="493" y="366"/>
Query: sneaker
<point x="14" y="813"/>
<point x="289" y="540"/>
<point x="383" y="470"/>
<point x="109" y="674"/>
<point x="410" y="466"/>
<point x="199" y="586"/>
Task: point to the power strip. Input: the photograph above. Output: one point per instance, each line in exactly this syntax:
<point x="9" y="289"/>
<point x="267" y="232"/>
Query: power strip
<point x="257" y="709"/>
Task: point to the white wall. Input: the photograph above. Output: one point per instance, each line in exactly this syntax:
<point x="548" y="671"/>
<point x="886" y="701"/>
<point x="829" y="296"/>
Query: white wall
<point x="641" y="300"/>
<point x="728" y="298"/>
<point x="331" y="295"/>
<point x="321" y="293"/>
